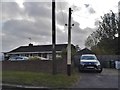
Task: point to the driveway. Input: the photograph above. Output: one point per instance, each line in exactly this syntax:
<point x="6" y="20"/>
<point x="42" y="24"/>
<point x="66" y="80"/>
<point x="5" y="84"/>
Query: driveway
<point x="107" y="79"/>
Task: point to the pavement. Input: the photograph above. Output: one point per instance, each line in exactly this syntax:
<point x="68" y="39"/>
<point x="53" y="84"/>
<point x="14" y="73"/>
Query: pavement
<point x="108" y="79"/>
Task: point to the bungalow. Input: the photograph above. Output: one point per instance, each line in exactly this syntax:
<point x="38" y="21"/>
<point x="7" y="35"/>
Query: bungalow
<point x="37" y="50"/>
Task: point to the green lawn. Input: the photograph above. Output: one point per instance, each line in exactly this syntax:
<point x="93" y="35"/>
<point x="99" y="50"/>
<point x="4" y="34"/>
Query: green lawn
<point x="39" y="79"/>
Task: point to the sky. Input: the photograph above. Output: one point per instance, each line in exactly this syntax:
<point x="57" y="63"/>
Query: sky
<point x="24" y="21"/>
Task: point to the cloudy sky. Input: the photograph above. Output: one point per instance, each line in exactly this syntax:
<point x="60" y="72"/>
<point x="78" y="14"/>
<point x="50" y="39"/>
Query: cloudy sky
<point x="23" y="19"/>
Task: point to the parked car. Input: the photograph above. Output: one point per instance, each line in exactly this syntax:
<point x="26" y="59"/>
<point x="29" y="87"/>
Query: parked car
<point x="89" y="62"/>
<point x="18" y="58"/>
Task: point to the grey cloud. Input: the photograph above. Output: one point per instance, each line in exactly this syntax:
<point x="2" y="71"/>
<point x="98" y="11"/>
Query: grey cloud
<point x="91" y="10"/>
<point x="61" y="36"/>
<point x="62" y="6"/>
<point x="79" y="35"/>
<point x="86" y="5"/>
<point x="38" y="9"/>
<point x="10" y="10"/>
<point x="22" y="27"/>
<point x="76" y="28"/>
<point x="16" y="32"/>
<point x="10" y="42"/>
<point x="62" y="18"/>
<point x="75" y="8"/>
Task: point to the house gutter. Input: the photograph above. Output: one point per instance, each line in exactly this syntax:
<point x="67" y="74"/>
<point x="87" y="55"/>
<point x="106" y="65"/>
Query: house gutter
<point x="32" y="52"/>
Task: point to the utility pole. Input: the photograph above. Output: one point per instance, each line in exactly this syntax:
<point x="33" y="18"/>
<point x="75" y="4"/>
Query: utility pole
<point x="53" y="39"/>
<point x="69" y="45"/>
<point x="118" y="28"/>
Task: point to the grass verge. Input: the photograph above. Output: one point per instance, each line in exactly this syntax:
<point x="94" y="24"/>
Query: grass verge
<point x="39" y="79"/>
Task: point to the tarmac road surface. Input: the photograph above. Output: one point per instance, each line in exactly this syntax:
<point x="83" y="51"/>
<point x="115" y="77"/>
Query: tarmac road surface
<point x="107" y="79"/>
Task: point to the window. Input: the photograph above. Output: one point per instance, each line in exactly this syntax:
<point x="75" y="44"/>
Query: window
<point x="45" y="55"/>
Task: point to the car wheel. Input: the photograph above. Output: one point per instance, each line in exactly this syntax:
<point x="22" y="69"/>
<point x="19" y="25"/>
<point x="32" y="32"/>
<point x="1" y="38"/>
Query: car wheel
<point x="79" y="68"/>
<point x="99" y="71"/>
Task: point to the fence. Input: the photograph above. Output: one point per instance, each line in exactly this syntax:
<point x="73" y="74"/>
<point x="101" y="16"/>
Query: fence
<point x="108" y="61"/>
<point x="34" y="66"/>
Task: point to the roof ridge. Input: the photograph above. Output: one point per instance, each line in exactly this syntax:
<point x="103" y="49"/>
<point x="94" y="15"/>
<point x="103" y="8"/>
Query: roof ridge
<point x="44" y="45"/>
<point x="38" y="48"/>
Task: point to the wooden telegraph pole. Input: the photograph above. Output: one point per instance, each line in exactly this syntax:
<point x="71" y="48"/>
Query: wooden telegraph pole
<point x="69" y="45"/>
<point x="53" y="39"/>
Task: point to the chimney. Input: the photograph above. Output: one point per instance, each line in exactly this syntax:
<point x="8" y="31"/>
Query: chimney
<point x="30" y="45"/>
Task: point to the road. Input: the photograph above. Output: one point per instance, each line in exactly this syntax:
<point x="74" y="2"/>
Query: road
<point x="107" y="79"/>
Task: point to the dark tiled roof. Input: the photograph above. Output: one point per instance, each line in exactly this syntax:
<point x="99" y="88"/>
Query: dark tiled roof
<point x="85" y="51"/>
<point x="39" y="48"/>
